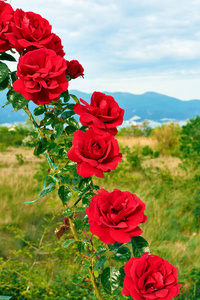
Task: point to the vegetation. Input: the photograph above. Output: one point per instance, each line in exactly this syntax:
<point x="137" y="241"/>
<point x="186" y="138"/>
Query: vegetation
<point x="34" y="265"/>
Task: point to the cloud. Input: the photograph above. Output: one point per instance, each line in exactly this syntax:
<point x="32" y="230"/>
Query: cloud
<point x="126" y="38"/>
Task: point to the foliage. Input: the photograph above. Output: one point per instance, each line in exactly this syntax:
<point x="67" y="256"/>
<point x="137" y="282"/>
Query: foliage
<point x="68" y="245"/>
<point x="167" y="137"/>
<point x="133" y="130"/>
<point x="190" y="141"/>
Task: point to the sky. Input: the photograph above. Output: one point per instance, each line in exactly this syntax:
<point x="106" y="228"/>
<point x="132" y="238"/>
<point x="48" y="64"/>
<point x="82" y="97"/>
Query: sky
<point x="131" y="46"/>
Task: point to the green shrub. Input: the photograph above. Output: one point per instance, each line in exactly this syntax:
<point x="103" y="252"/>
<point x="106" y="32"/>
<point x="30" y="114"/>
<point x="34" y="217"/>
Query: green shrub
<point x="167" y="136"/>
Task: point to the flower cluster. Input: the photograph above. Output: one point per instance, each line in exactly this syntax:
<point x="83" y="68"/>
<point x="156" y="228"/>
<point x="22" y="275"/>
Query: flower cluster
<point x="43" y="75"/>
<point x="42" y="68"/>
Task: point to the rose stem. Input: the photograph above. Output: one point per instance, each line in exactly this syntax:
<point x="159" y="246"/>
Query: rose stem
<point x="90" y="271"/>
<point x="94" y="285"/>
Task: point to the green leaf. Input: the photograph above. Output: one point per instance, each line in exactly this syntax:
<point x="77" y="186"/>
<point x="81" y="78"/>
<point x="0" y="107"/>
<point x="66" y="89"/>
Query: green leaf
<point x="80" y="209"/>
<point x="48" y="119"/>
<point x="86" y="199"/>
<point x="39" y="110"/>
<point x="58" y="130"/>
<point x="74" y="98"/>
<point x="82" y="247"/>
<point x="40" y="148"/>
<point x="64" y="193"/>
<point x="4" y="71"/>
<point x="17" y="100"/>
<point x="70" y="106"/>
<point x="68" y="212"/>
<point x="47" y="189"/>
<point x="100" y="262"/>
<point x="67" y="243"/>
<point x="100" y="250"/>
<point x="86" y="263"/>
<point x="64" y="179"/>
<point x="78" y="224"/>
<point x="67" y="114"/>
<point x="73" y="122"/>
<point x="4" y="84"/>
<point x="139" y="246"/>
<point x="5" y="297"/>
<point x="122" y="254"/>
<point x="70" y="129"/>
<point x="14" y="76"/>
<point x="66" y="96"/>
<point x="77" y="280"/>
<point x="110" y="279"/>
<point x="6" y="56"/>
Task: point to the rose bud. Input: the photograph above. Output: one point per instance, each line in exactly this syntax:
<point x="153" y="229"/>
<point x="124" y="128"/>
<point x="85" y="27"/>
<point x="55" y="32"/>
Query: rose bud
<point x="74" y="69"/>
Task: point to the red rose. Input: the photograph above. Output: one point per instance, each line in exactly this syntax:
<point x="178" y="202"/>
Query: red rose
<point x="94" y="153"/>
<point x="29" y="30"/>
<point x="103" y="114"/>
<point x="114" y="217"/>
<point x="41" y="76"/>
<point x="74" y="69"/>
<point x="56" y="45"/>
<point x="150" y="277"/>
<point x="6" y="16"/>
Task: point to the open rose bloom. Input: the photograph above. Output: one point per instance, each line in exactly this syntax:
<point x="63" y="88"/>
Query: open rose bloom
<point x="6" y="16"/>
<point x="150" y="277"/>
<point x="114" y="217"/>
<point x="94" y="153"/>
<point x="103" y="114"/>
<point x="41" y="76"/>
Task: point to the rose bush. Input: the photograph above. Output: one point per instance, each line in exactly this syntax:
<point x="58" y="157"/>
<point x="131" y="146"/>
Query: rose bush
<point x="94" y="153"/>
<point x="29" y="30"/>
<point x="103" y="114"/>
<point x="114" y="217"/>
<point x="74" y="69"/>
<point x="150" y="277"/>
<point x="6" y="16"/>
<point x="41" y="76"/>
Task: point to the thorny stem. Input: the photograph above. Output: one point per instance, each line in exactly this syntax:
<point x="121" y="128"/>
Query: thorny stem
<point x="90" y="270"/>
<point x="94" y="285"/>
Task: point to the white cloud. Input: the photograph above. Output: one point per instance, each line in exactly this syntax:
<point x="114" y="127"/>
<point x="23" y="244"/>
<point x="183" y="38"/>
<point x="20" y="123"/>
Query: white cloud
<point x="115" y="39"/>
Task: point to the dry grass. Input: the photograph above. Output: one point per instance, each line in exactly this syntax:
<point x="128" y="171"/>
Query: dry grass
<point x="169" y="162"/>
<point x="137" y="141"/>
<point x="17" y="186"/>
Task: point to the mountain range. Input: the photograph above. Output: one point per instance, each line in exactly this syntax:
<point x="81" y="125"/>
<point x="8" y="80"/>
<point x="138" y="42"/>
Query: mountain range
<point x="151" y="106"/>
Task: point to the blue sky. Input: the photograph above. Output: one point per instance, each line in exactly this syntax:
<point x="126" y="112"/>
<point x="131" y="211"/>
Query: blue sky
<point x="129" y="45"/>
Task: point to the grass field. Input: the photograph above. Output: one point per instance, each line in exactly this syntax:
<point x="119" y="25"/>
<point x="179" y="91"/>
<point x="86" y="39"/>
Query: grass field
<point x="169" y="191"/>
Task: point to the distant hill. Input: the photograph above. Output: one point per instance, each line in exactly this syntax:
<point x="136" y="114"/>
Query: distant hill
<point x="150" y="106"/>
